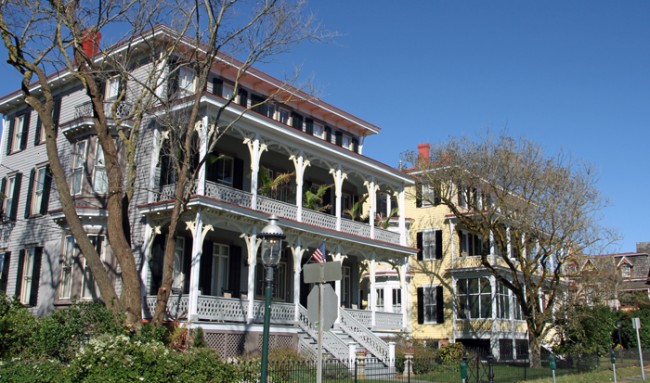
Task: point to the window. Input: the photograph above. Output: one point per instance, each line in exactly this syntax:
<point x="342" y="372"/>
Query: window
<point x="39" y="137"/>
<point x="100" y="179"/>
<point x="380" y="299"/>
<point x="186" y="81"/>
<point x="345" y="286"/>
<point x="18" y="130"/>
<point x="225" y="170"/>
<point x="468" y="197"/>
<point x="279" y="280"/>
<point x="67" y="265"/>
<point x="397" y="299"/>
<point x="220" y="269"/>
<point x="29" y="270"/>
<point x="626" y="271"/>
<point x="112" y="88"/>
<point x="78" y="167"/>
<point x="227" y="91"/>
<point x="283" y="115"/>
<point x="346" y="142"/>
<point x="430" y="305"/>
<point x="429" y="244"/>
<point x="88" y="286"/>
<point x="4" y="270"/>
<point x="318" y="130"/>
<point x="178" y="281"/>
<point x="38" y="192"/>
<point x="518" y="313"/>
<point x="475" y="298"/>
<point x="470" y="244"/>
<point x="503" y="301"/>
<point x="10" y="189"/>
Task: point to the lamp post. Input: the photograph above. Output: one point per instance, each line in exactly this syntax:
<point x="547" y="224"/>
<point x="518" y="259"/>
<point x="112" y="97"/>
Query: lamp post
<point x="272" y="236"/>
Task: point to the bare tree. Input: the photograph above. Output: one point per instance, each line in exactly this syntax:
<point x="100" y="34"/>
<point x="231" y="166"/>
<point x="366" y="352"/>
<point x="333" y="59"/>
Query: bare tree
<point x="531" y="212"/>
<point x="43" y="37"/>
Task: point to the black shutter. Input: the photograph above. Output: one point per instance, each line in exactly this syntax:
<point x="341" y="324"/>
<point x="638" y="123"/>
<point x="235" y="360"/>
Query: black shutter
<point x="355" y="145"/>
<point x="47" y="187"/>
<point x="296" y="121"/>
<point x="420" y="305"/>
<point x="56" y="114"/>
<point x="3" y="185"/>
<point x="309" y="126"/>
<point x="172" y="79"/>
<point x="14" y="201"/>
<point x="187" y="264"/>
<point x="328" y="134"/>
<point x="30" y="188"/>
<point x="6" y="258"/>
<point x="25" y="133"/>
<point x="243" y="97"/>
<point x="36" y="276"/>
<point x="440" y="305"/>
<point x="212" y="166"/>
<point x="438" y="244"/>
<point x="418" y="239"/>
<point x="235" y="268"/>
<point x="437" y="189"/>
<point x="418" y="194"/>
<point x="10" y="134"/>
<point x="238" y="174"/>
<point x="205" y="277"/>
<point x="37" y="134"/>
<point x="338" y="138"/>
<point x="19" y="276"/>
<point x="217" y="86"/>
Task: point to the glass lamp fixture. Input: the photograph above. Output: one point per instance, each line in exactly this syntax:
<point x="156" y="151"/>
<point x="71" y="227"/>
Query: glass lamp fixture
<point x="272" y="236"/>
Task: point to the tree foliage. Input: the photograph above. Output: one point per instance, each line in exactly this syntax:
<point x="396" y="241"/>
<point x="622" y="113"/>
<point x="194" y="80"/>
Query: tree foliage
<point x="531" y="211"/>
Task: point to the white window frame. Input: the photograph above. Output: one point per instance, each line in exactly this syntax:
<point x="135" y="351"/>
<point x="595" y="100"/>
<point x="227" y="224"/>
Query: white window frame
<point x="319" y="130"/>
<point x="89" y="290"/>
<point x="381" y="299"/>
<point x="283" y="115"/>
<point x="78" y="166"/>
<point x="429" y="245"/>
<point x="186" y="80"/>
<point x="467" y="239"/>
<point x="38" y="188"/>
<point x="346" y="142"/>
<point x="503" y="300"/>
<point x="428" y="194"/>
<point x="100" y="178"/>
<point x="220" y="269"/>
<point x="430" y="304"/>
<point x="112" y="88"/>
<point x="10" y="194"/>
<point x="67" y="267"/>
<point x="626" y="270"/>
<point x="27" y="275"/>
<point x="178" y="276"/>
<point x="479" y="299"/>
<point x="227" y="90"/>
<point x="225" y="170"/>
<point x="397" y="299"/>
<point x="17" y="138"/>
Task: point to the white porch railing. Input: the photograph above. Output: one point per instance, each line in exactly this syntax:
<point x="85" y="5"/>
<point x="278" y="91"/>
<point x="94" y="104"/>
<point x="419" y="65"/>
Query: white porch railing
<point x="331" y="343"/>
<point x="383" y="320"/>
<point x="366" y="338"/>
<point x="285" y="210"/>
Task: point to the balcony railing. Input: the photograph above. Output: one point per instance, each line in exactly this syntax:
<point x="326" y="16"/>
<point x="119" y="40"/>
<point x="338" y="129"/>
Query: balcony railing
<point x="285" y="210"/>
<point x="122" y="109"/>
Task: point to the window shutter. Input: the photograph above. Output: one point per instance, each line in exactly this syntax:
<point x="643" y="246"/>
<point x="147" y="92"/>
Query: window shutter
<point x="14" y="201"/>
<point x="47" y="187"/>
<point x="30" y="188"/>
<point x="235" y="271"/>
<point x="243" y="97"/>
<point x="436" y="197"/>
<point x="338" y="138"/>
<point x="296" y="121"/>
<point x="217" y="86"/>
<point x="238" y="174"/>
<point x="418" y="240"/>
<point x="56" y="114"/>
<point x="463" y="245"/>
<point x="420" y="305"/>
<point x="328" y="134"/>
<point x="37" y="133"/>
<point x="438" y="244"/>
<point x="355" y="145"/>
<point x="25" y="133"/>
<point x="3" y="185"/>
<point x="418" y="194"/>
<point x="36" y="276"/>
<point x="10" y="134"/>
<point x="440" y="305"/>
<point x="205" y="278"/>
<point x="309" y="126"/>
<point x="19" y="277"/>
<point x="172" y="79"/>
<point x="6" y="258"/>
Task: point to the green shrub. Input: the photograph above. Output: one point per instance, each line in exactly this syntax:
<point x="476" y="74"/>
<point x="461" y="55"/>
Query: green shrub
<point x="63" y="332"/>
<point x="203" y="365"/>
<point x="21" y="371"/>
<point x="450" y="354"/>
<point x="17" y="328"/>
<point x="151" y="333"/>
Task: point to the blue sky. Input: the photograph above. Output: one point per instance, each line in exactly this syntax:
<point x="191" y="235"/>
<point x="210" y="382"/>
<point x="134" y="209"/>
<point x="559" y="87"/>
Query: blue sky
<point x="573" y="76"/>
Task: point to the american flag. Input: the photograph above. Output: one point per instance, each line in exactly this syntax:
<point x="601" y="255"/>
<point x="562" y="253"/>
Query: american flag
<point x="319" y="253"/>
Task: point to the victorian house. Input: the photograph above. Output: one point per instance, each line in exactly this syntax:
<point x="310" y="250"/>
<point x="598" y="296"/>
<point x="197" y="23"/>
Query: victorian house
<point x="218" y="276"/>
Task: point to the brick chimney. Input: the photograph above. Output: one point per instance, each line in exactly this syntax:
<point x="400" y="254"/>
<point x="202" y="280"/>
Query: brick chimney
<point x="424" y="151"/>
<point x="90" y="41"/>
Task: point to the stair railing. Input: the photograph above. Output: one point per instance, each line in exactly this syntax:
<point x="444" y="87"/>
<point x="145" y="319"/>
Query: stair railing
<point x="366" y="338"/>
<point x="331" y="343"/>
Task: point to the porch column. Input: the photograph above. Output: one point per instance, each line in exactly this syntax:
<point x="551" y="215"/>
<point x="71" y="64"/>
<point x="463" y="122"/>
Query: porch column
<point x="373" y="293"/>
<point x="372" y="195"/>
<point x="454" y="309"/>
<point x="199" y="231"/>
<point x="297" y="251"/>
<point x="252" y="244"/>
<point x="202" y="129"/>
<point x="300" y="164"/>
<point x="150" y="233"/>
<point x="339" y="177"/>
<point x="492" y="248"/>
<point x="255" y="148"/>
<point x="404" y="292"/>
<point x="154" y="181"/>
<point x="337" y="284"/>
<point x="508" y="244"/>
<point x="401" y="203"/>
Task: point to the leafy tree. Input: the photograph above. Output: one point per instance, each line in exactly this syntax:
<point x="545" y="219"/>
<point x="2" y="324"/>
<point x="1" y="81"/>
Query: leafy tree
<point x="43" y="37"/>
<point x="531" y="211"/>
<point x="587" y="330"/>
<point x="17" y="327"/>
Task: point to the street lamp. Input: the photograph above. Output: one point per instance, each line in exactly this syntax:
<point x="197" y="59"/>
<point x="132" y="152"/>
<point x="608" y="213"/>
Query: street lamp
<point x="272" y="236"/>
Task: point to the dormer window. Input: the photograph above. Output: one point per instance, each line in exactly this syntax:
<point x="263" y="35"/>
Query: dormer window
<point x="626" y="271"/>
<point x="112" y="88"/>
<point x="186" y="81"/>
<point x="318" y="130"/>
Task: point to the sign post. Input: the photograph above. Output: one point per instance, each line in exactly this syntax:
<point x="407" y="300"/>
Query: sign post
<point x="319" y="298"/>
<point x="553" y="366"/>
<point x="613" y="358"/>
<point x="636" y="323"/>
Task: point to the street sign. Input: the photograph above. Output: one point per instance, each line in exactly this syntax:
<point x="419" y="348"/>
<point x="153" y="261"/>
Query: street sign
<point x="322" y="272"/>
<point x="636" y="323"/>
<point x="330" y="303"/>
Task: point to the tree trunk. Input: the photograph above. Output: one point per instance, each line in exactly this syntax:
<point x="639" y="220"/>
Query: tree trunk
<point x="534" y="350"/>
